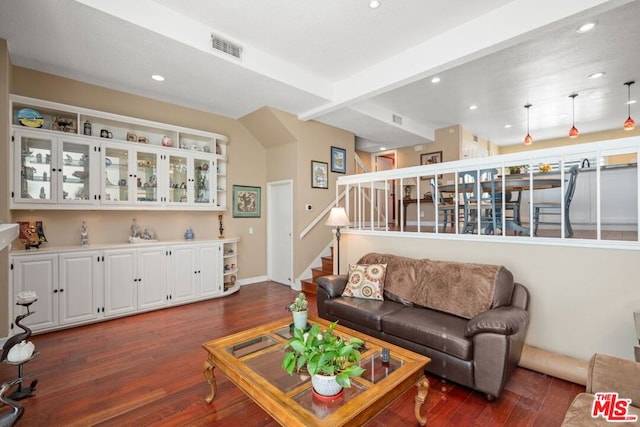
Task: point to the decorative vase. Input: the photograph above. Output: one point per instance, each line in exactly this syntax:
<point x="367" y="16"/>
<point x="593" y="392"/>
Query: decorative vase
<point x="325" y="385"/>
<point x="299" y="319"/>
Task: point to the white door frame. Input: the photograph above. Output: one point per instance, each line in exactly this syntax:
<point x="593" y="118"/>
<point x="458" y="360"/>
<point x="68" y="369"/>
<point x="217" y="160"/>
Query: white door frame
<point x="270" y="225"/>
<point x="394" y="196"/>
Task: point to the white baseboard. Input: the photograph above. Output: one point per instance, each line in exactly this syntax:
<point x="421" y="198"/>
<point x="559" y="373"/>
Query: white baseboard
<point x="251" y="280"/>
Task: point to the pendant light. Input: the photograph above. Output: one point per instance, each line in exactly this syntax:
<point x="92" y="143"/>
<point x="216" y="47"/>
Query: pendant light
<point x="629" y="124"/>
<point x="527" y="139"/>
<point x="573" y="132"/>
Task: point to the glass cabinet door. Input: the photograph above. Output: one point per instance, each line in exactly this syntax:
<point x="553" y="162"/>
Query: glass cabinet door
<point x="116" y="180"/>
<point x="178" y="179"/>
<point x="75" y="177"/>
<point x="146" y="177"/>
<point x="203" y="187"/>
<point x="35" y="169"/>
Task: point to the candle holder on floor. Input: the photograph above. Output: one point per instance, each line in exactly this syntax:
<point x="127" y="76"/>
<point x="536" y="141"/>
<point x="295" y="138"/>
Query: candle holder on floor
<point x="21" y="392"/>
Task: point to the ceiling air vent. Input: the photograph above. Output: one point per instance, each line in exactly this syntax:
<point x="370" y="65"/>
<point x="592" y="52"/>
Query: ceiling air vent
<point x="397" y="119"/>
<point x="225" y="46"/>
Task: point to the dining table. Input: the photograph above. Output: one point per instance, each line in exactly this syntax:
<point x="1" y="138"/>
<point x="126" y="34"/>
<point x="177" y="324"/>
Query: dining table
<point x="507" y="183"/>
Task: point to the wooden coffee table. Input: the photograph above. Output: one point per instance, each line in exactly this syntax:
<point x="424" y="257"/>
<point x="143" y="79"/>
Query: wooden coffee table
<point x="252" y="361"/>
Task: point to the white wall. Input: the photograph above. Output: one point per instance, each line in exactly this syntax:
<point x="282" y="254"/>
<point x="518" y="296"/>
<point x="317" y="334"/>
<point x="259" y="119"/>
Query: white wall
<point x="582" y="299"/>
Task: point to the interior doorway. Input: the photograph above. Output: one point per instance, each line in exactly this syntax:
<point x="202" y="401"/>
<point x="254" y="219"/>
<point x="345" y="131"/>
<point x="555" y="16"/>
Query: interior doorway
<point x="383" y="161"/>
<point x="280" y="232"/>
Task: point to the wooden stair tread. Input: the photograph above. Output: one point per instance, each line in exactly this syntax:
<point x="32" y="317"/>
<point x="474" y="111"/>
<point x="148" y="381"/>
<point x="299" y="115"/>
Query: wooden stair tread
<point x="310" y="285"/>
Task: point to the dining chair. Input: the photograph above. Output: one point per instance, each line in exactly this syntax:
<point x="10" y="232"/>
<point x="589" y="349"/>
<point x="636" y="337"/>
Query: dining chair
<point x="479" y="204"/>
<point x="555" y="208"/>
<point x="446" y="210"/>
<point x="511" y="206"/>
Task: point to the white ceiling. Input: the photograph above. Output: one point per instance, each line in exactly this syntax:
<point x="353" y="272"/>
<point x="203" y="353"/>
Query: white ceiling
<point x="341" y="63"/>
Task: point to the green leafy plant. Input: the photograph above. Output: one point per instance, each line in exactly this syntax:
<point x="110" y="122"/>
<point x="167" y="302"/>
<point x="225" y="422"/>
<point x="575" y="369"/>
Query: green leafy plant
<point x="323" y="353"/>
<point x="517" y="169"/>
<point x="299" y="303"/>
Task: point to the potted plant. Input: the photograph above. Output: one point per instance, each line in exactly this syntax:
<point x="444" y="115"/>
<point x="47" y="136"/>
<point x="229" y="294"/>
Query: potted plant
<point x="298" y="308"/>
<point x="326" y="357"/>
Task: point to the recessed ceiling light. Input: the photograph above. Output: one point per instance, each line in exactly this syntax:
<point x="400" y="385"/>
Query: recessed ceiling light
<point x="473" y="107"/>
<point x="157" y="77"/>
<point x="596" y="75"/>
<point x="435" y="80"/>
<point x="631" y="101"/>
<point x="586" y="27"/>
<point x="507" y="126"/>
<point x="374" y="4"/>
<point x="383" y="148"/>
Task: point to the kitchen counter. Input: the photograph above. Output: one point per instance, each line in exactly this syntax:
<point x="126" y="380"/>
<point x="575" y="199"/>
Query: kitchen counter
<point x="8" y="232"/>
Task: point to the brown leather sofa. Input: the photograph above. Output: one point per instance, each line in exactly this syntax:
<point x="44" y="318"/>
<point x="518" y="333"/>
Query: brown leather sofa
<point x="470" y="319"/>
<point x="607" y="374"/>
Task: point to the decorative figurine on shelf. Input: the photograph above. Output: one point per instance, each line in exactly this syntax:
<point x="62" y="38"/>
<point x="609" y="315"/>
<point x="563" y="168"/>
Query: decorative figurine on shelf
<point x="87" y="128"/>
<point x="134" y="229"/>
<point x="136" y="234"/>
<point x="221" y="229"/>
<point x="84" y="233"/>
<point x="188" y="235"/>
<point x="43" y="195"/>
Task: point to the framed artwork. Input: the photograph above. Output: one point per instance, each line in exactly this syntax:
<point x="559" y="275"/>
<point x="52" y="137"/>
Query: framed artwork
<point x="319" y="174"/>
<point x="246" y="201"/>
<point x="430" y="159"/>
<point x="338" y="160"/>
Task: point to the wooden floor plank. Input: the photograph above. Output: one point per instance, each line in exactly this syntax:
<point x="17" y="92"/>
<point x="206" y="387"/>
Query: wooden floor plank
<point x="146" y="370"/>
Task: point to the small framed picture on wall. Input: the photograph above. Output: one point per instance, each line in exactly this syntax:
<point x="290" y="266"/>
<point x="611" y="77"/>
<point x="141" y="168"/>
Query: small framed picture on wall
<point x="319" y="174"/>
<point x="246" y="201"/>
<point x="338" y="160"/>
<point x="431" y="159"/>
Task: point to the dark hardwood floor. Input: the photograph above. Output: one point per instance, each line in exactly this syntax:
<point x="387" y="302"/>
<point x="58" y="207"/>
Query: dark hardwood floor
<point x="146" y="370"/>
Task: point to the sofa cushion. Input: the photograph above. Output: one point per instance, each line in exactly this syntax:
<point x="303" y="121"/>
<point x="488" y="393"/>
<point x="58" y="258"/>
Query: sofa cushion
<point x="400" y="278"/>
<point x="365" y="312"/>
<point x="365" y="281"/>
<point x="462" y="289"/>
<point x="440" y="331"/>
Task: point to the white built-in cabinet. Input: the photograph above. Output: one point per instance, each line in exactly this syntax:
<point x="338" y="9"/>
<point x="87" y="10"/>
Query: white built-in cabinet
<point x="85" y="285"/>
<point x="56" y="167"/>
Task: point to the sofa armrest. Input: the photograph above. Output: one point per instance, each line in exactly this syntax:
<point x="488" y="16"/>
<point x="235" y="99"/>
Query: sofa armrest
<point x="613" y="374"/>
<point x="502" y="320"/>
<point x="333" y="284"/>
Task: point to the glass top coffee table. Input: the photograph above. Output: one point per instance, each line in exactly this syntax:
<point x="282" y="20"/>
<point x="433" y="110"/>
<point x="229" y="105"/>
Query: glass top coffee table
<point x="252" y="360"/>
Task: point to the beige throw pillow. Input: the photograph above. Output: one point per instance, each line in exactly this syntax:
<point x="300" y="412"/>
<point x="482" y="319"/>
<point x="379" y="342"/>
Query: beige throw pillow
<point x="365" y="281"/>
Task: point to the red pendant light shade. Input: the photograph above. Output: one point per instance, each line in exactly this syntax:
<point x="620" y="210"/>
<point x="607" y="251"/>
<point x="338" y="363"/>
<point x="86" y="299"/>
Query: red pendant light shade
<point x="573" y="132"/>
<point x="629" y="124"/>
<point x="528" y="139"/>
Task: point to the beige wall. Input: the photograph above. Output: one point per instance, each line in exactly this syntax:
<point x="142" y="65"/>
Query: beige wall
<point x="313" y="142"/>
<point x="558" y="142"/>
<point x="582" y="299"/>
<point x="246" y="165"/>
<point x="5" y="77"/>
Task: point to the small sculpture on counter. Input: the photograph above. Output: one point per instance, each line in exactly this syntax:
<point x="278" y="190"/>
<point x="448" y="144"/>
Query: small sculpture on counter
<point x="188" y="235"/>
<point x="137" y="235"/>
<point x="135" y="230"/>
<point x="84" y="233"/>
<point x="221" y="229"/>
<point x="31" y="234"/>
